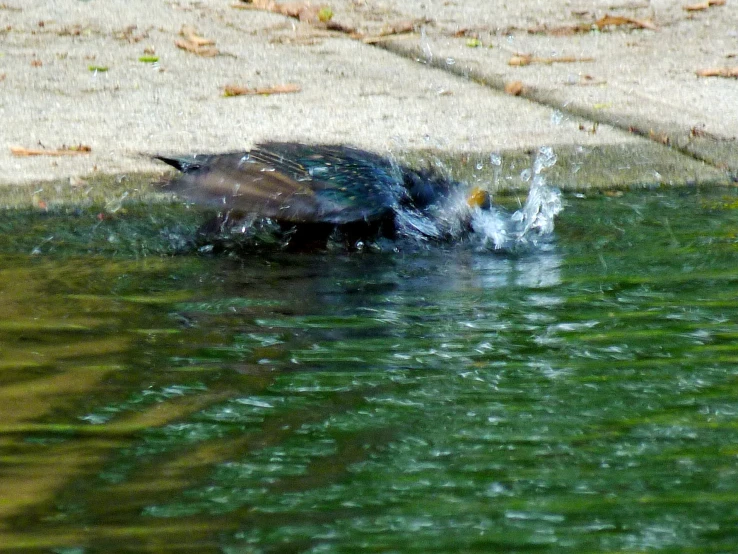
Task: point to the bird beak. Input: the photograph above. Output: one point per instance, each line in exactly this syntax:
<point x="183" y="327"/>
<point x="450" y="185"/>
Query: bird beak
<point x="479" y="199"/>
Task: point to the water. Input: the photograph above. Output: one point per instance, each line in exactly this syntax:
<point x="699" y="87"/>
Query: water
<point x="577" y="397"/>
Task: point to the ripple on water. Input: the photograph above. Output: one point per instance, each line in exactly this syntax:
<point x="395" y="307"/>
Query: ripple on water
<point x="579" y="396"/>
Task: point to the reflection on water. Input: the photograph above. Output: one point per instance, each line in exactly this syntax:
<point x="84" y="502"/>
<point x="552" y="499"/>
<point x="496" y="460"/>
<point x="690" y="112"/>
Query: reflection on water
<point x="579" y="397"/>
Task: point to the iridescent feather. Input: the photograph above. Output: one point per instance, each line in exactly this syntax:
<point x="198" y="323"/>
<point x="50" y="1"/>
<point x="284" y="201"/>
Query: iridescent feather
<point x="297" y="183"/>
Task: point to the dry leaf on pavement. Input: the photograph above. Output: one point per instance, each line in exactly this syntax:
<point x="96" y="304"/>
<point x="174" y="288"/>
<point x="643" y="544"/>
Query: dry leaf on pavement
<point x="563" y="31"/>
<point x="236" y="90"/>
<point x="190" y="34"/>
<point x="391" y="32"/>
<point x="620" y="20"/>
<point x="603" y="22"/>
<point x="20" y="151"/>
<point x="196" y="44"/>
<point x="703" y="5"/>
<point x="514" y="88"/>
<point x="304" y="11"/>
<point x="519" y="60"/>
<point x="204" y="51"/>
<point x="718" y="72"/>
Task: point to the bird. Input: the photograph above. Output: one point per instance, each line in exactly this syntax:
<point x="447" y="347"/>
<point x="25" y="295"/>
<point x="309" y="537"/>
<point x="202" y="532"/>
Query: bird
<point x="313" y="191"/>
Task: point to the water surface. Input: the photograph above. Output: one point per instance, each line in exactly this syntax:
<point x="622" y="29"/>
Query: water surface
<point x="578" y="397"/>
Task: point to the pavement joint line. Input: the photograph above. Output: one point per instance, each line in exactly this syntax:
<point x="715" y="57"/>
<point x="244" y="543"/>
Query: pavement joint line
<point x="654" y="133"/>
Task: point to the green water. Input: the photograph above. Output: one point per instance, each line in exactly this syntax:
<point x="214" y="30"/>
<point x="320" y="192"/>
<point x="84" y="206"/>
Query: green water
<point x="580" y="398"/>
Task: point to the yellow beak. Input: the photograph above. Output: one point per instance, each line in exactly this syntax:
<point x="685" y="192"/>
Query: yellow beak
<point x="479" y="198"/>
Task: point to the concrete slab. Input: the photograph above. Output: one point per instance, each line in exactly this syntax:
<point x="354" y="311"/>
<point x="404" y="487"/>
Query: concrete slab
<point x="640" y="80"/>
<point x="350" y="92"/>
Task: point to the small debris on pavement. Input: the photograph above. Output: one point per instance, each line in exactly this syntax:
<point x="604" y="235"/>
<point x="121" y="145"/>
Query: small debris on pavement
<point x="235" y="90"/>
<point x="304" y="11"/>
<point x="600" y="24"/>
<point x="703" y="5"/>
<point x="514" y="88"/>
<point x="519" y="60"/>
<point x="620" y="20"/>
<point x="192" y="42"/>
<point x="20" y="151"/>
<point x="730" y="72"/>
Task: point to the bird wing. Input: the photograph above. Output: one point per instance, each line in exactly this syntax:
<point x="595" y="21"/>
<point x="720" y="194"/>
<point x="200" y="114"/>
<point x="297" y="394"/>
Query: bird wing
<point x="365" y="185"/>
<point x="290" y="182"/>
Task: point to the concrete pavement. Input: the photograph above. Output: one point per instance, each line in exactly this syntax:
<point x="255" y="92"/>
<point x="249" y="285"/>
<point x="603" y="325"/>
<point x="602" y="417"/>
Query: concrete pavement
<point x="627" y="107"/>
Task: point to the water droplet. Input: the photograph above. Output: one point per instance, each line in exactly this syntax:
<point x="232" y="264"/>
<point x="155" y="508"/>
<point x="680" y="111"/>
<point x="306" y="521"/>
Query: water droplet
<point x="525" y="175"/>
<point x="480" y="165"/>
<point x="545" y="159"/>
<point x="450" y="61"/>
<point x="427" y="52"/>
<point x="495" y="159"/>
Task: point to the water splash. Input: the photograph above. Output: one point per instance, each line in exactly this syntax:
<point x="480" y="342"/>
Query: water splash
<point x="464" y="214"/>
<point x="533" y="222"/>
<point x="455" y="220"/>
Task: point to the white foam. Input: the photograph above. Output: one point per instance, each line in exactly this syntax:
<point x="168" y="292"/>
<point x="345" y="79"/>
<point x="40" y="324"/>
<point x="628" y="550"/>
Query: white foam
<point x="533" y="222"/>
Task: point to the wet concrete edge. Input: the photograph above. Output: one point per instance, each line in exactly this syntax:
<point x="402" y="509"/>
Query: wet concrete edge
<point x="577" y="168"/>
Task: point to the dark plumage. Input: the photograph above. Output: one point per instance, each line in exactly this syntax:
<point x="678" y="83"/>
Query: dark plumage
<point x="315" y="187"/>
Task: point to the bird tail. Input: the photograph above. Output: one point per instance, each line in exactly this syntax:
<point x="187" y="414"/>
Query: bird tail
<point x="183" y="164"/>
